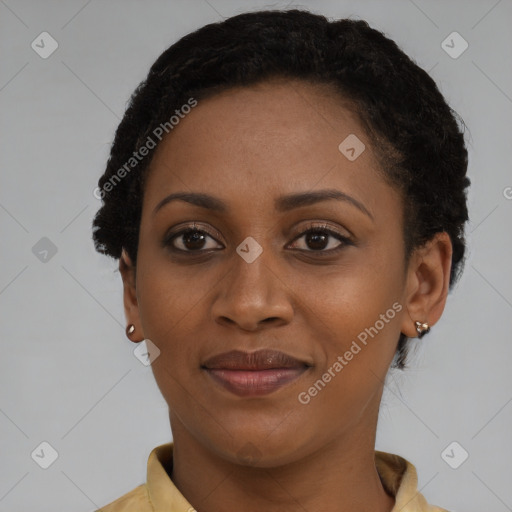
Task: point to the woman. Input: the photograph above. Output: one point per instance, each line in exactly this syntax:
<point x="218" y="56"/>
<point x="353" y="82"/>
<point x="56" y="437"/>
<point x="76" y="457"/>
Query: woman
<point x="286" y="196"/>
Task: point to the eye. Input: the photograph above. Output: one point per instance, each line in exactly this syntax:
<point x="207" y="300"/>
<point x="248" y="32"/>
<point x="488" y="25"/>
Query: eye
<point x="317" y="238"/>
<point x="190" y="240"/>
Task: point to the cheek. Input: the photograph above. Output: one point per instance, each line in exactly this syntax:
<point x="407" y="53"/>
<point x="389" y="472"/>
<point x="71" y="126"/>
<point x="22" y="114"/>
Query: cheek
<point x="168" y="293"/>
<point x="163" y="306"/>
<point x="173" y="314"/>
<point x="358" y="313"/>
<point x="358" y="342"/>
<point x="165" y="310"/>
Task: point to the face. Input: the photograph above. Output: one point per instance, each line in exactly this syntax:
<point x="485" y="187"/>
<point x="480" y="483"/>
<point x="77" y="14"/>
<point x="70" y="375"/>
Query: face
<point x="249" y="276"/>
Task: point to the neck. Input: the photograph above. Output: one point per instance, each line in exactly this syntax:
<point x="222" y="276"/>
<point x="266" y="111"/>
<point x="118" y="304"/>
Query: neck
<point x="339" y="477"/>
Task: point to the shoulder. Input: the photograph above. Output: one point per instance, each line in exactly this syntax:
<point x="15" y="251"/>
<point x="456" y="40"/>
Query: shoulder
<point x="136" y="500"/>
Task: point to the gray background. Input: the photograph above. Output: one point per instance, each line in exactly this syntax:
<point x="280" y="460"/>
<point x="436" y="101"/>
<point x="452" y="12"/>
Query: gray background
<point x="68" y="375"/>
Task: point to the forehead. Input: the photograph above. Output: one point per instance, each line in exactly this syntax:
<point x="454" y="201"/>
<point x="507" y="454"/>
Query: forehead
<point x="262" y="141"/>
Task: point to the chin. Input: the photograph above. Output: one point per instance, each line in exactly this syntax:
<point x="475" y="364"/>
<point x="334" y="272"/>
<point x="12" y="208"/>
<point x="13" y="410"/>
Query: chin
<point x="262" y="450"/>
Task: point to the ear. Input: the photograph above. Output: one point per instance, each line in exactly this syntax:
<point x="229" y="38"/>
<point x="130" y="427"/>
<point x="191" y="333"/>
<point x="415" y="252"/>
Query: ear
<point x="428" y="280"/>
<point x="131" y="305"/>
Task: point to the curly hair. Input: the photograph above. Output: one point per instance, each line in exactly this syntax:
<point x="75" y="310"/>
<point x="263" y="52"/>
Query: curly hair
<point x="415" y="134"/>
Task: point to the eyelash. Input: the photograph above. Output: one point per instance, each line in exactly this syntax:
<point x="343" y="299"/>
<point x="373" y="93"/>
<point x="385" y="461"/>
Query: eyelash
<point x="321" y="229"/>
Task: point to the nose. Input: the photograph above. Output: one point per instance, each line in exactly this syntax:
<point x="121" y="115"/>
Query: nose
<point x="253" y="295"/>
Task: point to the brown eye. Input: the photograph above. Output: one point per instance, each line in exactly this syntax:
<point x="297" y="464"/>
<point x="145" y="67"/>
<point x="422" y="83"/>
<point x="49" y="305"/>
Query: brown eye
<point x="317" y="240"/>
<point x="321" y="239"/>
<point x="190" y="240"/>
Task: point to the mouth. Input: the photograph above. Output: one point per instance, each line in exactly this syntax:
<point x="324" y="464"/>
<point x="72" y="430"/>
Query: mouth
<point x="256" y="373"/>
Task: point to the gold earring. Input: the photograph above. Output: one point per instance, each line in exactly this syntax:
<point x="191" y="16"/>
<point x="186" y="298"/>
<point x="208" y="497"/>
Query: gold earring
<point x="130" y="329"/>
<point x="422" y="328"/>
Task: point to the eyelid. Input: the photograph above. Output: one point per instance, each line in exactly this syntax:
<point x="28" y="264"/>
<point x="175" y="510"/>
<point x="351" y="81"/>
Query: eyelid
<point x="323" y="226"/>
<point x="214" y="234"/>
<point x="181" y="229"/>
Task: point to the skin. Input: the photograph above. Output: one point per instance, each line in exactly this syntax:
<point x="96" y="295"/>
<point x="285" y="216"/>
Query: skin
<point x="248" y="146"/>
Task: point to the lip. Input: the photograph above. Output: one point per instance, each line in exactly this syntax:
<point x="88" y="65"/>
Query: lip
<point x="255" y="373"/>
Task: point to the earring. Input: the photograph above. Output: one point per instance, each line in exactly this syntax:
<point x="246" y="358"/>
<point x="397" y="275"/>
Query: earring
<point x="130" y="329"/>
<point x="422" y="328"/>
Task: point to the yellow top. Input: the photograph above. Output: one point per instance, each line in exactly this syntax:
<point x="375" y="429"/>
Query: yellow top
<point x="159" y="494"/>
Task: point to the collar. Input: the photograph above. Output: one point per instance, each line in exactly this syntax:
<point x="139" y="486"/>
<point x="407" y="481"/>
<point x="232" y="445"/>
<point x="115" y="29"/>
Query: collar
<point x="398" y="477"/>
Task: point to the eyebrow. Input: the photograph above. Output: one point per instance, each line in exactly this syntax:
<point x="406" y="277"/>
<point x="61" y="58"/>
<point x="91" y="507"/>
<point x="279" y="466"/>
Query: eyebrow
<point x="282" y="204"/>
